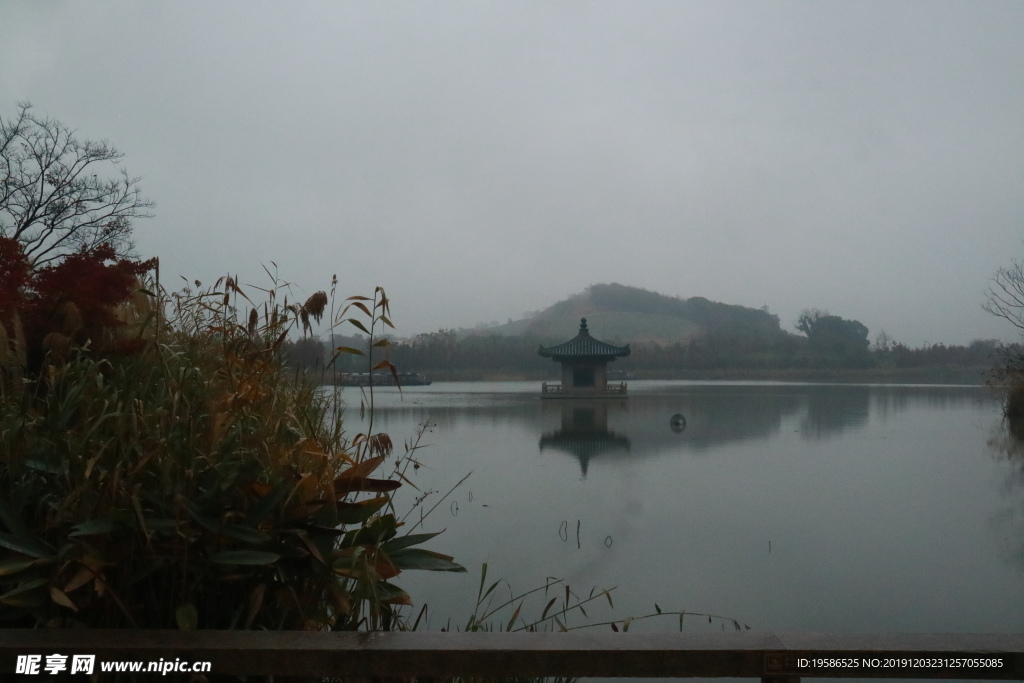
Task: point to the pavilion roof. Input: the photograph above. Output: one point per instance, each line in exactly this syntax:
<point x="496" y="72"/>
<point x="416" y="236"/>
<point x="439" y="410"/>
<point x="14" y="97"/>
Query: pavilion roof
<point x="583" y="345"/>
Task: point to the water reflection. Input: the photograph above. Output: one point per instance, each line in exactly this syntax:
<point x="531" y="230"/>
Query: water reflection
<point x="863" y="492"/>
<point x="831" y="412"/>
<point x="1008" y="520"/>
<point x="641" y="426"/>
<point x="716" y="415"/>
<point x="583" y="431"/>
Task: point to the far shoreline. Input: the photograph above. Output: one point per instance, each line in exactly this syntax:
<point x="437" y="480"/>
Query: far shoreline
<point x="949" y="375"/>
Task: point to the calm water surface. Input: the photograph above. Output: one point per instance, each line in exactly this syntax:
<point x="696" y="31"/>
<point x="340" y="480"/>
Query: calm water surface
<point x="784" y="506"/>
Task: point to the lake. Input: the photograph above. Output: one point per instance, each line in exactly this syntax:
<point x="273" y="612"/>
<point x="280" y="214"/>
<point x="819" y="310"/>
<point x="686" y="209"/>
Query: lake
<point x="789" y="507"/>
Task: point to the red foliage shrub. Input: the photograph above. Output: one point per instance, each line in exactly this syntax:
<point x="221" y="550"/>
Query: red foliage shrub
<point x="75" y="298"/>
<point x="14" y="276"/>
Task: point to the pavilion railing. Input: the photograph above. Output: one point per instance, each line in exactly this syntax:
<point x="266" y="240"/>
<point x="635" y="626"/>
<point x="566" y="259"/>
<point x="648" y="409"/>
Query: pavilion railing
<point x="619" y="389"/>
<point x="749" y="654"/>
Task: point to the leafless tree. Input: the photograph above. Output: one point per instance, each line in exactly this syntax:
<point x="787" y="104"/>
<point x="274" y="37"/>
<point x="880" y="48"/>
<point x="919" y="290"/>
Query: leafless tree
<point x="884" y="341"/>
<point x="1005" y="294"/>
<point x="54" y="196"/>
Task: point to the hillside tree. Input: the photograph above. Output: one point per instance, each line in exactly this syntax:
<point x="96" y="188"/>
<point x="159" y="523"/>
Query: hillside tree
<point x="832" y="337"/>
<point x="1005" y="294"/>
<point x="61" y="195"/>
<point x="808" y="319"/>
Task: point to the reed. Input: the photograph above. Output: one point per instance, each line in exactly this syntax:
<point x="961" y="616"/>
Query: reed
<point x="189" y="481"/>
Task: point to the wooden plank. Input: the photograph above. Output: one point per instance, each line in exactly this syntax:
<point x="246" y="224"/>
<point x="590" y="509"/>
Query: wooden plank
<point x="743" y="655"/>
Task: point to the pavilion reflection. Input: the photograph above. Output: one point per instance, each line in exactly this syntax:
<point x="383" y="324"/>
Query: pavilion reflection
<point x="583" y="432"/>
<point x="605" y="431"/>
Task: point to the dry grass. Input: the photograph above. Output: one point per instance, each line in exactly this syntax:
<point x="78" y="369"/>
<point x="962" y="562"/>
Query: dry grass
<point x="194" y="483"/>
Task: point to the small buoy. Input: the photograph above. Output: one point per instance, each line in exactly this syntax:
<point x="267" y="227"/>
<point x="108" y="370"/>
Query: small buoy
<point x="677" y="423"/>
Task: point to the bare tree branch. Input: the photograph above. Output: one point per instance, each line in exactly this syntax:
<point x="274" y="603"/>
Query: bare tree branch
<point x="1005" y="294"/>
<point x="55" y="197"/>
<point x="9" y="132"/>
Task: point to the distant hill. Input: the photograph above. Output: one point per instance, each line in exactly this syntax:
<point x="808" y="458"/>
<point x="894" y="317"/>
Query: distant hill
<point x="619" y="314"/>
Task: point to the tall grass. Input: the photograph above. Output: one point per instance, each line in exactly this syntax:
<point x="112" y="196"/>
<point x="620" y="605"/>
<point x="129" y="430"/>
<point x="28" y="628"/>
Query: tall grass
<point x="192" y="482"/>
<point x="1013" y="408"/>
<point x="1007" y="380"/>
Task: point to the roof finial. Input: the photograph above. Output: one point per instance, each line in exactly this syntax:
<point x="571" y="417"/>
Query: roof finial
<point x="583" y="325"/>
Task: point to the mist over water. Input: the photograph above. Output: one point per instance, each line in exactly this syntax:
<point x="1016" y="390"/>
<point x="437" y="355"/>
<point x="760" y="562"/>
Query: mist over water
<point x="783" y="506"/>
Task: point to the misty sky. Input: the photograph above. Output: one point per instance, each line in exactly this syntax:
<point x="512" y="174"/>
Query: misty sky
<point x="483" y="159"/>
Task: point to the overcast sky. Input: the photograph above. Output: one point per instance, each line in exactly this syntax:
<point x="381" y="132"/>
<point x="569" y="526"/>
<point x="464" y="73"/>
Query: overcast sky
<point x="483" y="159"/>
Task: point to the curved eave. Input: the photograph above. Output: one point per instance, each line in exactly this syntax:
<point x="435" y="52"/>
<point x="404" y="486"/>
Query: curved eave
<point x="561" y="358"/>
<point x="555" y="353"/>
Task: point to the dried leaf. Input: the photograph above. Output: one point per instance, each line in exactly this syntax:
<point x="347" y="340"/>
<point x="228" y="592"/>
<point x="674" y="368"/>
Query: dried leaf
<point x="358" y="325"/>
<point x="255" y="603"/>
<point x="544" y="614"/>
<point x="59" y="597"/>
<point x="83" y="576"/>
<point x="515" y="615"/>
<point x="363" y="308"/>
<point x="341" y="600"/>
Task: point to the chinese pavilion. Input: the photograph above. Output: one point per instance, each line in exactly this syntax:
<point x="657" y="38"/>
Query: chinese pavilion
<point x="584" y="367"/>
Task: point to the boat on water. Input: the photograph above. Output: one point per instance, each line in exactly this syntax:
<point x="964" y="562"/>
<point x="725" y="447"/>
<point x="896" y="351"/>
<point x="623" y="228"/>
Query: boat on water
<point x="382" y="379"/>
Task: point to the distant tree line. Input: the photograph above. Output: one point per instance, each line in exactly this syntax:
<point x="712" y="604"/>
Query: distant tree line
<point x="732" y="340"/>
<point x="828" y="342"/>
<point x="837" y="347"/>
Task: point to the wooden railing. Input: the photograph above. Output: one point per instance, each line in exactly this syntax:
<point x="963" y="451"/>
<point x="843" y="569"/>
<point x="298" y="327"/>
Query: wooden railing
<point x="546" y="388"/>
<point x="619" y="389"/>
<point x="768" y="656"/>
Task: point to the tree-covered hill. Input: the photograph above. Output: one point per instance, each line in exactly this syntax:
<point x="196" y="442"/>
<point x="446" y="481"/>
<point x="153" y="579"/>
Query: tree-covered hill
<point x="673" y="337"/>
<point x="621" y="314"/>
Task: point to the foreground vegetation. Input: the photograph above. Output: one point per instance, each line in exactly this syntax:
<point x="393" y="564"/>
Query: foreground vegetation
<point x="160" y="469"/>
